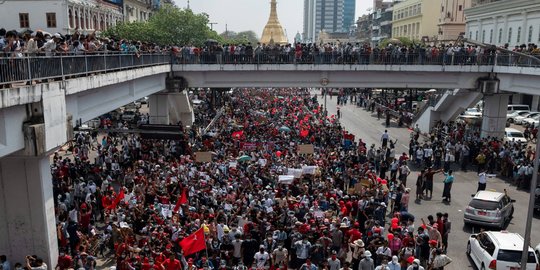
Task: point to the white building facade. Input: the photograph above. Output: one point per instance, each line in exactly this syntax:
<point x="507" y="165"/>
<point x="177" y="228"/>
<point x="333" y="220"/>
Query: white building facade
<point x="512" y="22"/>
<point x="60" y="16"/>
<point x="139" y="10"/>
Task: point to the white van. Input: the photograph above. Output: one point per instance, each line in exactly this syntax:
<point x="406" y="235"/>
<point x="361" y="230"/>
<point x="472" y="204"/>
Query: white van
<point x="517" y="107"/>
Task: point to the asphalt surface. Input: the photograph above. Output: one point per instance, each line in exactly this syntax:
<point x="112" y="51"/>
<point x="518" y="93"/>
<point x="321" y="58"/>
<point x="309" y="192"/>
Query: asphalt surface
<point x="364" y="124"/>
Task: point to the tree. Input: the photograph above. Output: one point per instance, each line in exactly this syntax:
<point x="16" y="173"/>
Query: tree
<point x="239" y="38"/>
<point x="402" y="40"/>
<point x="170" y="25"/>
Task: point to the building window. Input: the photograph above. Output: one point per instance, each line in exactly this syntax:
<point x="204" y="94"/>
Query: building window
<point x="460" y="7"/>
<point x="442" y="8"/>
<point x="51" y="19"/>
<point x="500" y="35"/>
<point x="476" y="35"/>
<point x="529" y="39"/>
<point x="470" y="34"/>
<point x="509" y="35"/>
<point x="491" y="36"/>
<point x="24" y="20"/>
<point x="519" y="35"/>
<point x="419" y="8"/>
<point x="483" y="35"/>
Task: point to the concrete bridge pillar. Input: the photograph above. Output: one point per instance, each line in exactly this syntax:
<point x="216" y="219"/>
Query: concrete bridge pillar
<point x="27" y="216"/>
<point x="159" y="108"/>
<point x="494" y="115"/>
<point x="170" y="108"/>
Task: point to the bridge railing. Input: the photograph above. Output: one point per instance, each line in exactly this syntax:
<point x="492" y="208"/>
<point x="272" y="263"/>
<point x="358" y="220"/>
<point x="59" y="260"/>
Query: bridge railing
<point x="26" y="69"/>
<point x="373" y="58"/>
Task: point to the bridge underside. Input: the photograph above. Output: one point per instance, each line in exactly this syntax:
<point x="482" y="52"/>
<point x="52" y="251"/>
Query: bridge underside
<point x="363" y="76"/>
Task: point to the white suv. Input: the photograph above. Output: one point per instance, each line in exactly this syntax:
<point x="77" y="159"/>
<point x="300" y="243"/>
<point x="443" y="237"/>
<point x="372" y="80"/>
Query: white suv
<point x="499" y="250"/>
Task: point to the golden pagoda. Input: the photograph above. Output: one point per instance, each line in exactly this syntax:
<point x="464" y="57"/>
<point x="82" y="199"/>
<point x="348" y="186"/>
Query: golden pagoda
<point x="273" y="32"/>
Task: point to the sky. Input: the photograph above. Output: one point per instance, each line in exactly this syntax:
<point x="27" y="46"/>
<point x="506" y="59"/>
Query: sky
<point x="245" y="15"/>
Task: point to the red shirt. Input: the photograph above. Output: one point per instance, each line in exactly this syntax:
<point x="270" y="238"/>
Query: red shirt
<point x="172" y="265"/>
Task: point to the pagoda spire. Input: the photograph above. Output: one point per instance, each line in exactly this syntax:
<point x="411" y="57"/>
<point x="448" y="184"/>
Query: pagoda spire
<point x="273" y="30"/>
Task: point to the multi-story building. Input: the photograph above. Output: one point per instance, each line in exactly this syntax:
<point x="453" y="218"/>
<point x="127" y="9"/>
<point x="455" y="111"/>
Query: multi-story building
<point x="382" y="22"/>
<point x="363" y="28"/>
<point x="482" y="2"/>
<point x="512" y="22"/>
<point x="139" y="10"/>
<point x="330" y="16"/>
<point x="415" y="19"/>
<point x="60" y="16"/>
<point x="452" y="19"/>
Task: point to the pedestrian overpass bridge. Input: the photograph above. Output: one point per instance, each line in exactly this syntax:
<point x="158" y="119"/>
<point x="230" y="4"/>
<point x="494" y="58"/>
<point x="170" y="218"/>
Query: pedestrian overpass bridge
<point x="44" y="98"/>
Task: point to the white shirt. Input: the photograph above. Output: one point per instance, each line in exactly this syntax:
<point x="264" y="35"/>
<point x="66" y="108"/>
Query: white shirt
<point x="261" y="258"/>
<point x="482" y="178"/>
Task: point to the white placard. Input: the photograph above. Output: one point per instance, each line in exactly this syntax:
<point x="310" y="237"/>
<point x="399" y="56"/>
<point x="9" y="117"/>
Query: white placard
<point x="285" y="179"/>
<point x="309" y="170"/>
<point x="297" y="173"/>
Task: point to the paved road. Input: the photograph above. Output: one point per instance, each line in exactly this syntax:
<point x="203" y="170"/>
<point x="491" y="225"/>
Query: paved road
<point x="366" y="126"/>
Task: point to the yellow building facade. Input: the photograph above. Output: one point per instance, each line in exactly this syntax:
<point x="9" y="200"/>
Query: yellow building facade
<point x="416" y="19"/>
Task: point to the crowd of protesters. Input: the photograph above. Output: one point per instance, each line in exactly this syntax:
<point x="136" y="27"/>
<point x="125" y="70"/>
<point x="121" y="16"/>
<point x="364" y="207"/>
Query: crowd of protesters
<point x="459" y="146"/>
<point x="262" y="201"/>
<point x="355" y="53"/>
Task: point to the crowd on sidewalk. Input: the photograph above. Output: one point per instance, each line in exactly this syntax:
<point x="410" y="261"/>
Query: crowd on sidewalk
<point x="286" y="187"/>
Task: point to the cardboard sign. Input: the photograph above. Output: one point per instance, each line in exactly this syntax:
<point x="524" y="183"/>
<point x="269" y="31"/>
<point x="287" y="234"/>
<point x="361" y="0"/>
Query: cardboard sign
<point x="285" y="179"/>
<point x="203" y="156"/>
<point x="297" y="173"/>
<point x="306" y="149"/>
<point x="309" y="170"/>
<point x="365" y="183"/>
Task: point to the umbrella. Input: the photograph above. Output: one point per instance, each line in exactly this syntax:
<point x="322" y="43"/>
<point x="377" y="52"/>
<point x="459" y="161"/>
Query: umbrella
<point x="284" y="129"/>
<point x="244" y="158"/>
<point x="431" y="91"/>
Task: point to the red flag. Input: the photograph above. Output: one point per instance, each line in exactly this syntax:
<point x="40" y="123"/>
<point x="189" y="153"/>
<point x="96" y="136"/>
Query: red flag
<point x="238" y="134"/>
<point x="117" y="200"/>
<point x="193" y="243"/>
<point x="181" y="200"/>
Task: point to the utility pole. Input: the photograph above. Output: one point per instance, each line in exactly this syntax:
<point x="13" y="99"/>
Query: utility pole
<point x="212" y="25"/>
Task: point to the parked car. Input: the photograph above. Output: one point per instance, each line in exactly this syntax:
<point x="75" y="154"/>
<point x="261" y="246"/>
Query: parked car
<point x="489" y="209"/>
<point x="519" y="119"/>
<point x="129" y="115"/>
<point x="473" y="112"/>
<point x="512" y="134"/>
<point x="531" y="122"/>
<point x="511" y="116"/>
<point x="517" y="107"/>
<point x="499" y="250"/>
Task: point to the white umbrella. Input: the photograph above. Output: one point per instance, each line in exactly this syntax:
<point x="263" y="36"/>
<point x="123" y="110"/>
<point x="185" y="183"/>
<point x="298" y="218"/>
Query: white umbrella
<point x="431" y="91"/>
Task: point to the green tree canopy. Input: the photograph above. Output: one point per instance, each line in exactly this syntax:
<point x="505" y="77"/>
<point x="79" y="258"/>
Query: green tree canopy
<point x="239" y="38"/>
<point x="402" y="40"/>
<point x="169" y="25"/>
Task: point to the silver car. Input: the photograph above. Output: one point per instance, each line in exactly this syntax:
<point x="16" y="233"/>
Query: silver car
<point x="489" y="209"/>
